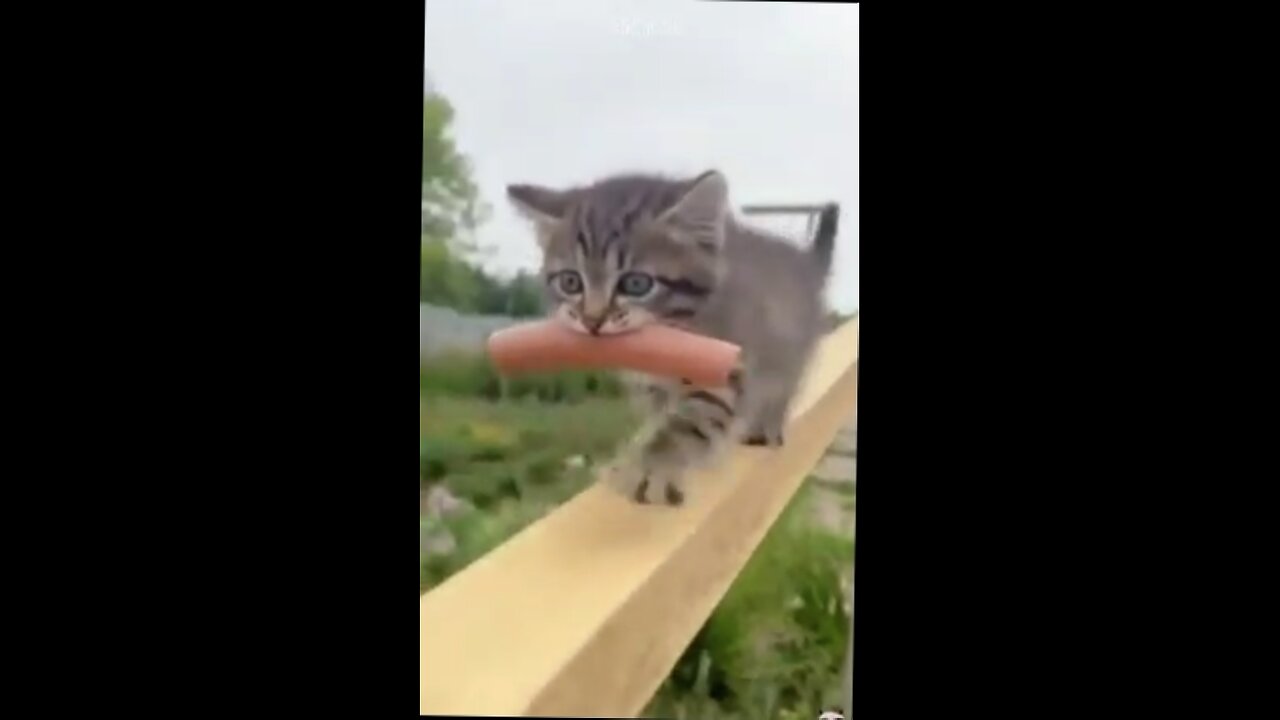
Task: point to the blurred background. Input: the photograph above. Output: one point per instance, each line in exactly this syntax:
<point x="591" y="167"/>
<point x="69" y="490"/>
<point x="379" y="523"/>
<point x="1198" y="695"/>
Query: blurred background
<point x="564" y="93"/>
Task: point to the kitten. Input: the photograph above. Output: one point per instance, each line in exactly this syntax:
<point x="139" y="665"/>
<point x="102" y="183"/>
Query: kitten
<point x="631" y="250"/>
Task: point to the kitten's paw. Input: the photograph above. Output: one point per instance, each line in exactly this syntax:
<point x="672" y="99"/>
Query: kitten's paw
<point x="642" y="485"/>
<point x="673" y="495"/>
<point x="624" y="477"/>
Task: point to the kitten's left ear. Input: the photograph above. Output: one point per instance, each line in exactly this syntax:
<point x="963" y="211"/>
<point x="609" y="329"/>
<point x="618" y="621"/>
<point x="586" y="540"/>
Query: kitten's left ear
<point x="700" y="213"/>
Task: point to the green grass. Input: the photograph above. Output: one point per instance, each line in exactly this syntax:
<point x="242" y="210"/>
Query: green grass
<point x="774" y="647"/>
<point x="839" y="487"/>
<point x="509" y="460"/>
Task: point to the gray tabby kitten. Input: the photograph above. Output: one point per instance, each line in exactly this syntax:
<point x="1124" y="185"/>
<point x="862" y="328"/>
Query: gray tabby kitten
<point x="631" y="250"/>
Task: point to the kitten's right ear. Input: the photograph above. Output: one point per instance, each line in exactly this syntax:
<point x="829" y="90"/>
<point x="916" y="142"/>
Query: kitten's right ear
<point x="540" y="204"/>
<point x="544" y="206"/>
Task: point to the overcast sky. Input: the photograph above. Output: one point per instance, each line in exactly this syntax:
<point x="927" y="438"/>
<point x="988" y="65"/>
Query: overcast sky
<point x="561" y="92"/>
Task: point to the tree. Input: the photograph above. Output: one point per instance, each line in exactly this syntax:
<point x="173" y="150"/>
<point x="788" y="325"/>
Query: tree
<point x="451" y="209"/>
<point x="447" y="279"/>
<point x="451" y="201"/>
<point x="525" y="295"/>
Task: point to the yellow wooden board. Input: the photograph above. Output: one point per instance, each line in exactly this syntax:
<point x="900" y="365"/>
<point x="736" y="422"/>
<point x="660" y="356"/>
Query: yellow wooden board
<point x="585" y="612"/>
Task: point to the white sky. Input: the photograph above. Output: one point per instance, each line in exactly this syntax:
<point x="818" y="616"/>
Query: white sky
<point x="560" y="92"/>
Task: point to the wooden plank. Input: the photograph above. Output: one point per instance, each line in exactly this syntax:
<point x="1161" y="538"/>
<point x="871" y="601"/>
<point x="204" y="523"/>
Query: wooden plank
<point x="585" y="612"/>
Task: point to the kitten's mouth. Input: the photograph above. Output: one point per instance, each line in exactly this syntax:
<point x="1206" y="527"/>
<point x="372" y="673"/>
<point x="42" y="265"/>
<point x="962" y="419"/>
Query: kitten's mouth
<point x="603" y="331"/>
<point x="599" y="331"/>
<point x="614" y="324"/>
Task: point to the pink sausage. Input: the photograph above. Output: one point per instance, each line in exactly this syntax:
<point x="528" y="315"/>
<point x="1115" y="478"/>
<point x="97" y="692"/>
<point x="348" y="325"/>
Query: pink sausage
<point x="654" y="349"/>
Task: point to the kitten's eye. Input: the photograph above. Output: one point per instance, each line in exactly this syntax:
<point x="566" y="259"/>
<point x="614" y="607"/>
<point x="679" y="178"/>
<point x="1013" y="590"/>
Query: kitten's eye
<point x="635" y="284"/>
<point x="569" y="282"/>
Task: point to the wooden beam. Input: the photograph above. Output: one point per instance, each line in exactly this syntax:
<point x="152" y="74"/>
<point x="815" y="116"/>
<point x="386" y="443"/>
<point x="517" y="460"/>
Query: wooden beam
<point x="585" y="612"/>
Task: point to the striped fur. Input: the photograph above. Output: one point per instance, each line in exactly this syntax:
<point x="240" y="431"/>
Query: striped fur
<point x="633" y="250"/>
<point x="688" y="427"/>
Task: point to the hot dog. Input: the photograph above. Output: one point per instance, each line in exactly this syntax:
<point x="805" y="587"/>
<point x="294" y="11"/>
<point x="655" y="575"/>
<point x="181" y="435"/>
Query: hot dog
<point x="653" y="349"/>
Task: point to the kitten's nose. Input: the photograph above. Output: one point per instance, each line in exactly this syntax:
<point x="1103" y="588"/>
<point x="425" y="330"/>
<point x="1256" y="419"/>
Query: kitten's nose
<point x="593" y="323"/>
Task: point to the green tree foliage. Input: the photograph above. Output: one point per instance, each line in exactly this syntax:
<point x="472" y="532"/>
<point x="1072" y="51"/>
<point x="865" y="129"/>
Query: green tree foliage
<point x="524" y="295"/>
<point x="447" y="279"/>
<point x="452" y="210"/>
<point x="451" y="281"/>
<point x="452" y="201"/>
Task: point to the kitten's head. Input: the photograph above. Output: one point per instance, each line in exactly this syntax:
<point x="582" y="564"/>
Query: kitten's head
<point x="629" y="250"/>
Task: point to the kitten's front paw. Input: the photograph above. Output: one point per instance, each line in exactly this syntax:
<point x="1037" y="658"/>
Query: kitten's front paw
<point x="626" y="478"/>
<point x="641" y="484"/>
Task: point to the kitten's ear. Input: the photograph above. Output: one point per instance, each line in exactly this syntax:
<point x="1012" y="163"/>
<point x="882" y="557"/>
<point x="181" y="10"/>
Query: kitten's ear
<point x="544" y="206"/>
<point x="699" y="214"/>
<point x="540" y="204"/>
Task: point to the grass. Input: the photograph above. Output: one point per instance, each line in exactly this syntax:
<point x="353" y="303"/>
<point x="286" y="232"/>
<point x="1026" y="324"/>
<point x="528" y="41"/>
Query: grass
<point x="840" y="487"/>
<point x="511" y="461"/>
<point x="774" y="647"/>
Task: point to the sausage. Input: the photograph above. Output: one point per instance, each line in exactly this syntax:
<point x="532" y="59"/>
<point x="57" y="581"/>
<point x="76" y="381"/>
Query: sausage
<point x="653" y="349"/>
